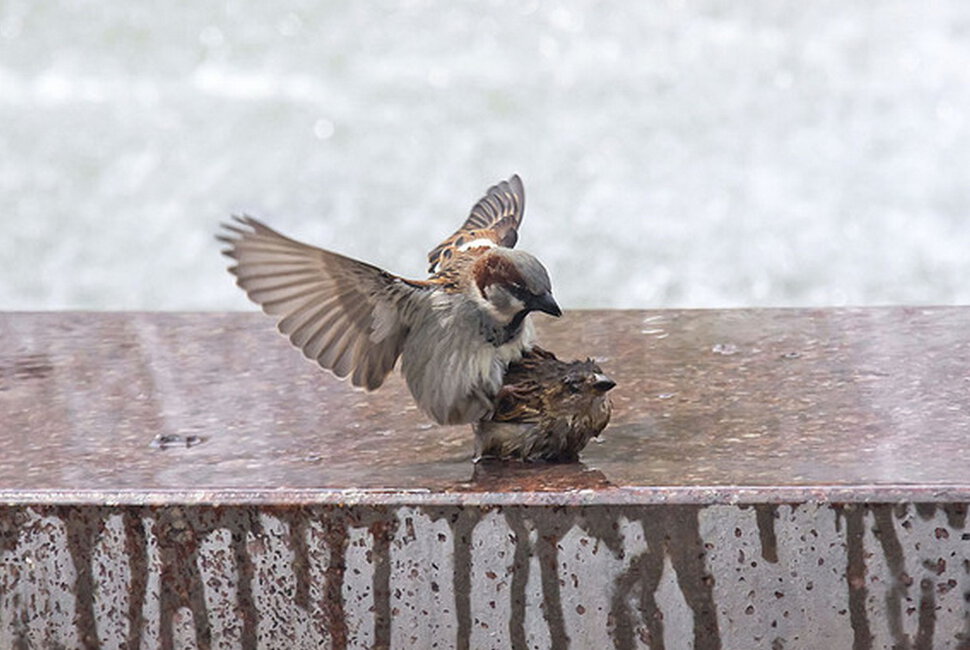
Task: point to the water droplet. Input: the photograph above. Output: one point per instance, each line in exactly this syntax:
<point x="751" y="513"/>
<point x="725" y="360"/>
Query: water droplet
<point x="726" y="349"/>
<point x="175" y="441"/>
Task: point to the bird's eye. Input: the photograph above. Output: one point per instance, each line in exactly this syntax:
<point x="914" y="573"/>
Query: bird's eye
<point x="574" y="384"/>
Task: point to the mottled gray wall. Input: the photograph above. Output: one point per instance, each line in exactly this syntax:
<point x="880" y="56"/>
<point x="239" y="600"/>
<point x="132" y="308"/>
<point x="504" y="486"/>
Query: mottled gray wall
<point x="694" y="154"/>
<point x="806" y="576"/>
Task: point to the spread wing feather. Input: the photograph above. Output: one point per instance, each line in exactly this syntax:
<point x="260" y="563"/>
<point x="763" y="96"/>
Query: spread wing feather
<point x="495" y="218"/>
<point x="348" y="316"/>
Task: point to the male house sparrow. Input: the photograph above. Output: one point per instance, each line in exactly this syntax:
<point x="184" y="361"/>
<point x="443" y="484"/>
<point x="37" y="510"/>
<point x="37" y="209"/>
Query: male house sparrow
<point x="455" y="332"/>
<point x="547" y="410"/>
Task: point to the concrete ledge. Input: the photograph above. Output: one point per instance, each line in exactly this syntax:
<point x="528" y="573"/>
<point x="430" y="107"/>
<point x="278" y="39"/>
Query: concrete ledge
<point x="772" y="478"/>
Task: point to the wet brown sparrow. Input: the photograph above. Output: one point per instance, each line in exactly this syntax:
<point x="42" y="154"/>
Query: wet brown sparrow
<point x="547" y="409"/>
<point x="455" y="332"/>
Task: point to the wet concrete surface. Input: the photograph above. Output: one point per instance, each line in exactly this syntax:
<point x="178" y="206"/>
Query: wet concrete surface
<point x="772" y="479"/>
<point x="676" y="576"/>
<point x="710" y="405"/>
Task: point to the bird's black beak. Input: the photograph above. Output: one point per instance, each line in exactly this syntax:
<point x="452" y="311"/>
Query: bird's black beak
<point x="602" y="383"/>
<point x="545" y="303"/>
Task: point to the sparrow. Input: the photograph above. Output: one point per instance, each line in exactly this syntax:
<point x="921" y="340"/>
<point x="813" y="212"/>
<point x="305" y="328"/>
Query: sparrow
<point x="455" y="332"/>
<point x="547" y="409"/>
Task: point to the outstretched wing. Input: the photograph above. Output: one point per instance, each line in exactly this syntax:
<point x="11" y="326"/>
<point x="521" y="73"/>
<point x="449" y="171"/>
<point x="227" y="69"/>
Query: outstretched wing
<point x="494" y="219"/>
<point x="348" y="316"/>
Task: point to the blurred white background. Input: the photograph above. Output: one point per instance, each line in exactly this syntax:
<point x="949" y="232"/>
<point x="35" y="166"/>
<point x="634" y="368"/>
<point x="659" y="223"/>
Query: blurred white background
<point x="689" y="154"/>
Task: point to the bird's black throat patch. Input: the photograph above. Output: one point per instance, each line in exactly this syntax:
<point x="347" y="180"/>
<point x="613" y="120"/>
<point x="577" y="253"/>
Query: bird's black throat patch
<point x="500" y="335"/>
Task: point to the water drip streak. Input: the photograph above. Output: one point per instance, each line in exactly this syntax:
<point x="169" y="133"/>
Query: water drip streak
<point x="765" y="516"/>
<point x="897" y="594"/>
<point x="461" y="533"/>
<point x="686" y="549"/>
<point x="136" y="548"/>
<point x="644" y="572"/>
<point x="855" y="573"/>
<point x="245" y="569"/>
<point x="297" y="520"/>
<point x="520" y="577"/>
<point x="84" y="527"/>
<point x="332" y="604"/>
<point x="927" y="616"/>
<point x="180" y="581"/>
<point x="382" y="531"/>
<point x="675" y="532"/>
<point x="551" y="598"/>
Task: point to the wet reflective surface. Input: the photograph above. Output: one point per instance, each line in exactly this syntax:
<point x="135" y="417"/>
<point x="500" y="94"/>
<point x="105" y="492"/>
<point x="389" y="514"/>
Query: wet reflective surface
<point x="714" y="404"/>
